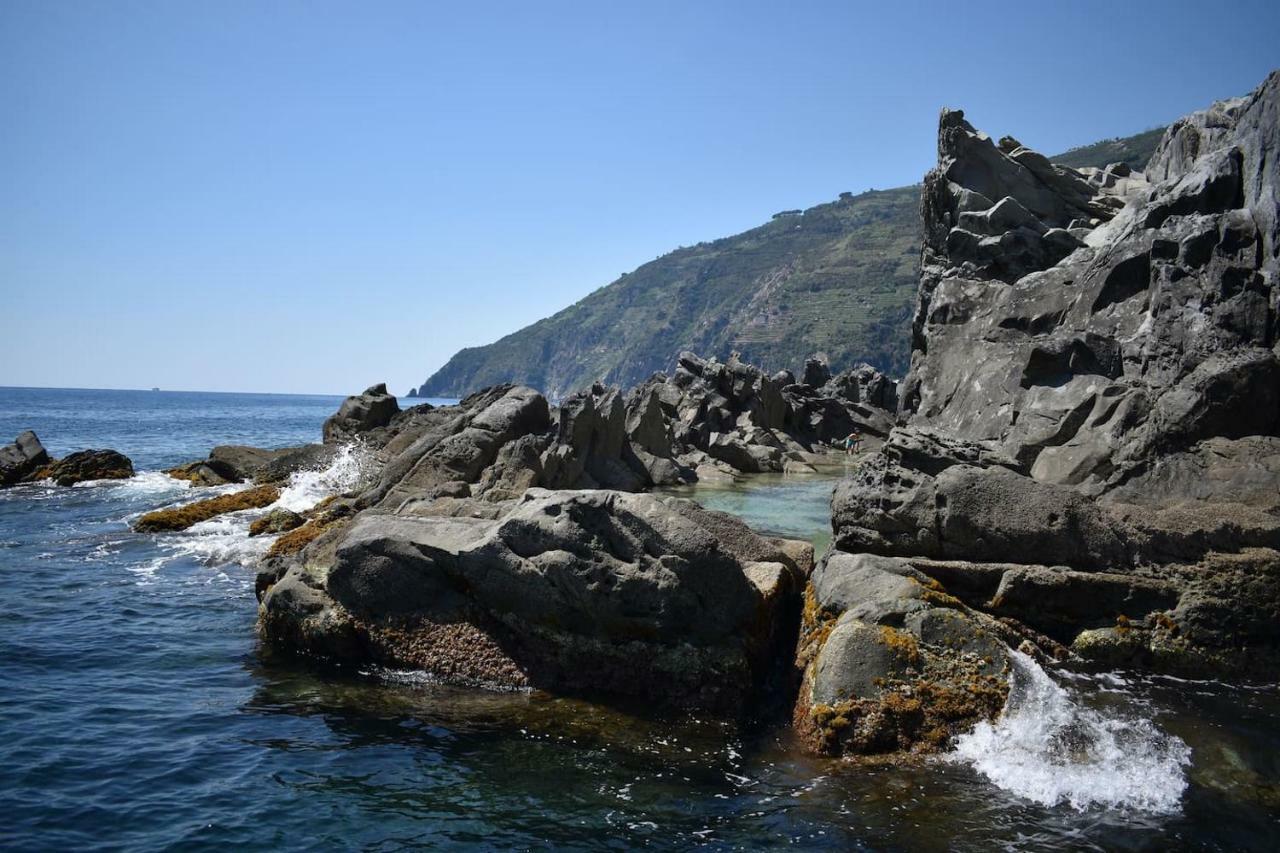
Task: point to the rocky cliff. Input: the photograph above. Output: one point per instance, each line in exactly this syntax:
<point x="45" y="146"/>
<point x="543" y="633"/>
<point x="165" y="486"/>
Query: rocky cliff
<point x="1090" y="466"/>
<point x="838" y="278"/>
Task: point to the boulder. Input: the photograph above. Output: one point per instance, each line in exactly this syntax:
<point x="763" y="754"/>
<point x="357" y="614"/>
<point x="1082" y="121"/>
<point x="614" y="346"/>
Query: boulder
<point x="89" y="465"/>
<point x="601" y="592"/>
<point x="891" y="662"/>
<point x="280" y="465"/>
<point x="278" y="520"/>
<point x="21" y="459"/>
<point x="361" y="413"/>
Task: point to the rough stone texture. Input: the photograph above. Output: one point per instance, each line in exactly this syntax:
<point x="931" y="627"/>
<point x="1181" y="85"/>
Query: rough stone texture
<point x="279" y="520"/>
<point x="1154" y="333"/>
<point x="1093" y="448"/>
<point x="1093" y="428"/>
<point x="891" y="661"/>
<point x="86" y="465"/>
<point x="359" y="414"/>
<point x="603" y="592"/>
<point x="734" y="414"/>
<point x="183" y="516"/>
<point x="22" y="458"/>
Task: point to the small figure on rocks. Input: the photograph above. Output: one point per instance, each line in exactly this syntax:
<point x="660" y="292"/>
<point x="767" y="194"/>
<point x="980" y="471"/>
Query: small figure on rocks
<point x="852" y="443"/>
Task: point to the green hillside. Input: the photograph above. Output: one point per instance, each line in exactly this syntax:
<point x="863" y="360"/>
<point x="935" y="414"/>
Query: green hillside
<point x="838" y="278"/>
<point x="1135" y="150"/>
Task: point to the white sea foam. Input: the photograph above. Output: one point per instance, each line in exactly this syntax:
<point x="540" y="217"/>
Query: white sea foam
<point x="221" y="540"/>
<point x="308" y="488"/>
<point x="141" y="483"/>
<point x="1049" y="748"/>
<point x="225" y="539"/>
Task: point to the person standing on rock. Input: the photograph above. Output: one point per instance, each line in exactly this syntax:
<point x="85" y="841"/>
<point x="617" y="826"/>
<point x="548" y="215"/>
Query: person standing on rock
<point x="852" y="443"/>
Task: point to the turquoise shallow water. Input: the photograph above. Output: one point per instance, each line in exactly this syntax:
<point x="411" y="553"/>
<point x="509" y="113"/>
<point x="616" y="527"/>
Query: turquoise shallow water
<point x="139" y="712"/>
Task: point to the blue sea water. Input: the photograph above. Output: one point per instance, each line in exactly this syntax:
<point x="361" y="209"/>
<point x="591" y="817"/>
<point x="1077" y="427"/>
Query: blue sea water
<point x="138" y="710"/>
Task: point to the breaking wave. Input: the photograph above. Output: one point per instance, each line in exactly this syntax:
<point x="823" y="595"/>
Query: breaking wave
<point x="307" y="488"/>
<point x="225" y="539"/>
<point x="1049" y="748"/>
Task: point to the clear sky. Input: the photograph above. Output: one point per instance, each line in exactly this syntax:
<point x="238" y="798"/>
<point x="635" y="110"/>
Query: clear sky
<point x="314" y="196"/>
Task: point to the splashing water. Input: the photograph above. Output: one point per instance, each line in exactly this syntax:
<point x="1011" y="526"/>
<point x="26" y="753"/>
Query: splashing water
<point x="308" y="488"/>
<point x="1050" y="749"/>
<point x="225" y="539"/>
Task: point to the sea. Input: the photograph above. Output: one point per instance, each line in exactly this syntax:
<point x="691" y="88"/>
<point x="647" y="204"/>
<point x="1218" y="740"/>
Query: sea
<point x="138" y="710"/>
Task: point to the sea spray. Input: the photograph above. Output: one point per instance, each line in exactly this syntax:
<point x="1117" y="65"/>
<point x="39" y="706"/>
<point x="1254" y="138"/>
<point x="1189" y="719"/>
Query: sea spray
<point x="225" y="539"/>
<point x="1050" y="748"/>
<point x="307" y="488"/>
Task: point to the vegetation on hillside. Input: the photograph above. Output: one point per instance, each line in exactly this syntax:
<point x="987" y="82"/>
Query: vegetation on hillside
<point x="1135" y="150"/>
<point x="838" y="278"/>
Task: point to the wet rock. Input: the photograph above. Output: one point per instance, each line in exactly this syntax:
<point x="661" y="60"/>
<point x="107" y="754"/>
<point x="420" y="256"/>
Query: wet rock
<point x="282" y="464"/>
<point x="202" y="473"/>
<point x="22" y="458"/>
<point x="88" y="465"/>
<point x="892" y="662"/>
<point x="279" y="520"/>
<point x="184" y="516"/>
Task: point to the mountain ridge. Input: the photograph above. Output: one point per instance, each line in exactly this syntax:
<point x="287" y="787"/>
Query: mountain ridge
<point x="838" y="278"/>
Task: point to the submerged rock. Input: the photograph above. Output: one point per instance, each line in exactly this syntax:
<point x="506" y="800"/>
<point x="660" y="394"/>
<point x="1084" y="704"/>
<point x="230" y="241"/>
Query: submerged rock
<point x="182" y="517"/>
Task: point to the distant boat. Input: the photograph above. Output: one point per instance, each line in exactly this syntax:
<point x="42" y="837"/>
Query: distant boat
<point x="155" y="389"/>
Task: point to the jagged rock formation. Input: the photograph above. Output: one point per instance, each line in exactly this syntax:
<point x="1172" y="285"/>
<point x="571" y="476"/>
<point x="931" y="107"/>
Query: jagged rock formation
<point x="1096" y="341"/>
<point x="734" y="414"/>
<point x="26" y="461"/>
<point x="1093" y="444"/>
<point x="455" y="555"/>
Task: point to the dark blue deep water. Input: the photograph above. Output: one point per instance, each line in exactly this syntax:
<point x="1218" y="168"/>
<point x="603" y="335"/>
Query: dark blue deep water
<point x="138" y="711"/>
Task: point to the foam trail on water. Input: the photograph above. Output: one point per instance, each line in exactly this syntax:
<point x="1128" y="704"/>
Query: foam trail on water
<point x="308" y="488"/>
<point x="1049" y="748"/>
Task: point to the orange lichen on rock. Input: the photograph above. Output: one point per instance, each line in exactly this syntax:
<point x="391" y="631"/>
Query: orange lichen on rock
<point x="182" y="517"/>
<point x="298" y="538"/>
<point x="904" y="645"/>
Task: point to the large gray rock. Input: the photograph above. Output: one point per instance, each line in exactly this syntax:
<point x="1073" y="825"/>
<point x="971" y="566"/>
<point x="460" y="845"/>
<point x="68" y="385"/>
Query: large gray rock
<point x="1094" y="396"/>
<point x="600" y="592"/>
<point x="1153" y="333"/>
<point x="891" y="661"/>
<point x="22" y="458"/>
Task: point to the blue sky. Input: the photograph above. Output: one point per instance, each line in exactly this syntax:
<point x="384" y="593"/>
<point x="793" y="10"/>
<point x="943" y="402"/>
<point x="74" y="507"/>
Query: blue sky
<point x="310" y="197"/>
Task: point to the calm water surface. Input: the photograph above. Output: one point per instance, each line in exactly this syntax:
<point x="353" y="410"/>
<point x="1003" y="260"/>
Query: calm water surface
<point x="138" y="710"/>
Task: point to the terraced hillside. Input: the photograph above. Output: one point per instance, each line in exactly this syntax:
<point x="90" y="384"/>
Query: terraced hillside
<point x="838" y="278"/>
